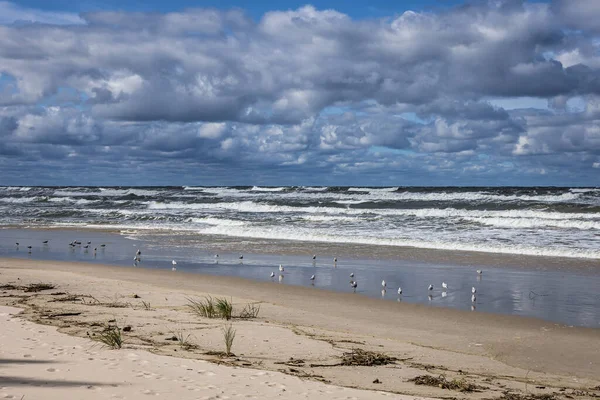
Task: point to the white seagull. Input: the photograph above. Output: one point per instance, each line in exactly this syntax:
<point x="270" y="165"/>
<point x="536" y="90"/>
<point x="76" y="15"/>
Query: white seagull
<point x="444" y="285"/>
<point x="272" y="274"/>
<point x="354" y="285"/>
<point x="473" y="290"/>
<point x="399" y="290"/>
<point x="335" y="259"/>
<point x="383" y="284"/>
<point x="314" y="256"/>
<point x="312" y="278"/>
<point x="479" y="271"/>
<point x="281" y="269"/>
<point x="473" y="298"/>
<point x="430" y="287"/>
<point x="352" y="275"/>
<point x="138" y="253"/>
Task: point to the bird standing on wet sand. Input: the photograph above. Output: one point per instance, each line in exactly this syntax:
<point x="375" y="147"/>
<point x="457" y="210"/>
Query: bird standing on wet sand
<point x="272" y="274"/>
<point x="312" y="278"/>
<point x="352" y="275"/>
<point x="473" y="290"/>
<point x="399" y="290"/>
<point x="430" y="287"/>
<point x="444" y="285"/>
<point x="354" y="285"/>
<point x="45" y="242"/>
<point x="241" y="257"/>
<point x="281" y="269"/>
<point x="479" y="271"/>
<point x="314" y="257"/>
<point x="383" y="284"/>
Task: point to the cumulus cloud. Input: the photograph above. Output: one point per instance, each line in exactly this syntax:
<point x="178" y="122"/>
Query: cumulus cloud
<point x="306" y="93"/>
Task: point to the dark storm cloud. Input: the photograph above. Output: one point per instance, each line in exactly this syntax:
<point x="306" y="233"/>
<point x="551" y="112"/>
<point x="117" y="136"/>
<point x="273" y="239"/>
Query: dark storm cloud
<point x="305" y="91"/>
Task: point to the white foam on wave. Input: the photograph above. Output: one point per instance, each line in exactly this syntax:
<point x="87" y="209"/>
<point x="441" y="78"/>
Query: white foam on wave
<point x="217" y="221"/>
<point x="316" y="235"/>
<point x="529" y="223"/>
<point x="16" y="188"/>
<point x="71" y="200"/>
<point x="268" y="189"/>
<point x="21" y="199"/>
<point x="373" y="190"/>
<point x="254" y="207"/>
<point x="585" y="190"/>
<point x="315" y="188"/>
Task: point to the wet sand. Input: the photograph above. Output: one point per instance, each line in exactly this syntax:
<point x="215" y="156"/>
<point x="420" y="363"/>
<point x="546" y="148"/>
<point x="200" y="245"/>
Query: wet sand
<point x="495" y="352"/>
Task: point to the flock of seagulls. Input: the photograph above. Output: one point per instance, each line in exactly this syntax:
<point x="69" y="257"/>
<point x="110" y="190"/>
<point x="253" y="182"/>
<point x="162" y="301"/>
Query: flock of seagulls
<point x="72" y="245"/>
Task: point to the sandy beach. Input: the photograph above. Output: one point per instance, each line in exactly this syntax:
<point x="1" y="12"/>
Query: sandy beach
<point x="299" y="331"/>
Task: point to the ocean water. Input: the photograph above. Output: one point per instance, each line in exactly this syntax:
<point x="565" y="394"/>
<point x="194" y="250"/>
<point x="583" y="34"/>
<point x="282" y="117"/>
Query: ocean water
<point x="557" y="222"/>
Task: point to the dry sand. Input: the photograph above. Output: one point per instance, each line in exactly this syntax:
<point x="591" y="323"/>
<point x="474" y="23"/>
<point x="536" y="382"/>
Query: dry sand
<point x="300" y="331"/>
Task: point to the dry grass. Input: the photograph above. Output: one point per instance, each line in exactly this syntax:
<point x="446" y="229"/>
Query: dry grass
<point x="529" y="396"/>
<point x="367" y="358"/>
<point x="440" y="381"/>
<point x="184" y="340"/>
<point x="250" y="311"/>
<point x="31" y="288"/>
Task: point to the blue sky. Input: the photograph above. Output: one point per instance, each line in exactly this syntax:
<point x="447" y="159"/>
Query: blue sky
<point x="256" y="8"/>
<point x="490" y="92"/>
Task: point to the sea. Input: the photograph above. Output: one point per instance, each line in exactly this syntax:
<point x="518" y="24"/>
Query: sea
<point x="287" y="224"/>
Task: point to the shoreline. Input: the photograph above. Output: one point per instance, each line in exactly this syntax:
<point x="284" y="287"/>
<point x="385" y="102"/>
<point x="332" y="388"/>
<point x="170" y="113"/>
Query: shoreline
<point x="298" y="320"/>
<point x="235" y="244"/>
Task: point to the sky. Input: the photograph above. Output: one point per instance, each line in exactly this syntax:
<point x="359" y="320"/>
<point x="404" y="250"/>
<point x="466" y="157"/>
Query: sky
<point x="331" y="92"/>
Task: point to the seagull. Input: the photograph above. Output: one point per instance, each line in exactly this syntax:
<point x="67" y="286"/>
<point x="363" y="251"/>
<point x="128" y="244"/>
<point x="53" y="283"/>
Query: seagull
<point x="103" y="245"/>
<point x="399" y="290"/>
<point x="473" y="290"/>
<point x="314" y="256"/>
<point x="174" y="265"/>
<point x="45" y="242"/>
<point x="216" y="256"/>
<point x="241" y="257"/>
<point x="430" y="287"/>
<point x="312" y="278"/>
<point x="17" y="244"/>
<point x="86" y="246"/>
<point x="354" y="285"/>
<point x="281" y="269"/>
<point x="383" y="284"/>
<point x="444" y="285"/>
<point x="89" y="242"/>
<point x="272" y="274"/>
<point x="352" y="275"/>
<point x="174" y="262"/>
<point x="473" y="298"/>
<point x="479" y="271"/>
<point x="335" y="259"/>
<point x="138" y="253"/>
<point x="29" y="247"/>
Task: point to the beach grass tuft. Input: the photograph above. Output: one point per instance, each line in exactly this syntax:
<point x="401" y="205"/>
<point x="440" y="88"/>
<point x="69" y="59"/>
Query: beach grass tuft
<point x="111" y="337"/>
<point x="224" y="308"/>
<point x="228" y="337"/>
<point x="250" y="311"/>
<point x="203" y="308"/>
<point x="146" y="305"/>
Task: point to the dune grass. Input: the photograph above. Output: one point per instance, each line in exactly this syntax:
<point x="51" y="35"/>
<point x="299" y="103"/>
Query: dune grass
<point x="111" y="337"/>
<point x="228" y="337"/>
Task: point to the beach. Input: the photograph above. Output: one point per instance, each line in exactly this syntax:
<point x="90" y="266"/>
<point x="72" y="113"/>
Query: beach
<point x="305" y="331"/>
